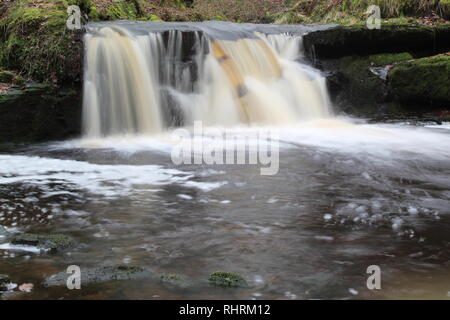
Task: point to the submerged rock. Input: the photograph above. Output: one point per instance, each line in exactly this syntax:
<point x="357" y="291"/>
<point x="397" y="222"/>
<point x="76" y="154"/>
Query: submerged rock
<point x="3" y="232"/>
<point x="227" y="279"/>
<point x="99" y="275"/>
<point x="175" y="280"/>
<point x="51" y="243"/>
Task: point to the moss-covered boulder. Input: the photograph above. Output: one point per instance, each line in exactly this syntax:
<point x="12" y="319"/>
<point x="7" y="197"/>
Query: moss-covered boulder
<point x="357" y="84"/>
<point x="227" y="279"/>
<point x="423" y="81"/>
<point x="51" y="243"/>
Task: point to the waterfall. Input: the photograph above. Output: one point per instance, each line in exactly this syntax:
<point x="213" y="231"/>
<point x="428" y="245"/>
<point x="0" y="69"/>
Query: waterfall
<point x="143" y="78"/>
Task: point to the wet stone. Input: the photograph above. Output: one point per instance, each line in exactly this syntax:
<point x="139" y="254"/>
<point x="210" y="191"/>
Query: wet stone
<point x="175" y="280"/>
<point x="51" y="243"/>
<point x="4" y="281"/>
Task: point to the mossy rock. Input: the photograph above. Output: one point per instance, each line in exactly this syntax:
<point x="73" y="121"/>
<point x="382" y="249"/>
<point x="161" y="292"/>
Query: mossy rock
<point x="388" y="58"/>
<point x="227" y="279"/>
<point x="51" y="243"/>
<point x="354" y="85"/>
<point x="422" y="81"/>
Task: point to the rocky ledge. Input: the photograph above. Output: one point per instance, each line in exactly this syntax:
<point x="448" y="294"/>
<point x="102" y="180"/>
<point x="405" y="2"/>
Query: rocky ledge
<point x="398" y="71"/>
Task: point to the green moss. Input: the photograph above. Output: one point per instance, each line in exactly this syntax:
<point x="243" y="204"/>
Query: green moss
<point x="36" y="42"/>
<point x="120" y="11"/>
<point x="364" y="90"/>
<point x="425" y="80"/>
<point x="154" y="17"/>
<point x="386" y="58"/>
<point x="126" y="270"/>
<point x="227" y="279"/>
<point x="351" y="12"/>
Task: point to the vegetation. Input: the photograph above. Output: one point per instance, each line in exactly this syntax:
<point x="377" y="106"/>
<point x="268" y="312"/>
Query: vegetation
<point x="422" y="80"/>
<point x="349" y="12"/>
<point x="35" y="42"/>
<point x="361" y="90"/>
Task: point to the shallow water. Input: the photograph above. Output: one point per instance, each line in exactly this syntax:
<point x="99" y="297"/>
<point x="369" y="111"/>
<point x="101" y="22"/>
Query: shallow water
<point x="346" y="196"/>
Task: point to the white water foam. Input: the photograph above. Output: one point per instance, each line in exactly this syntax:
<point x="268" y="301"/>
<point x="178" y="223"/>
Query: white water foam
<point x="106" y="180"/>
<point x="384" y="141"/>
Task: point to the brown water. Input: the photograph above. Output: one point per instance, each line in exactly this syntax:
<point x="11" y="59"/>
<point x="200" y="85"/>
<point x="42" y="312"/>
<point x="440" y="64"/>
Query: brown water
<point x="346" y="197"/>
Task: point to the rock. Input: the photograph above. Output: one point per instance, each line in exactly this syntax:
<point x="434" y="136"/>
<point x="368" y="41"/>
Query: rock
<point x="4" y="282"/>
<point x="38" y="112"/>
<point x="421" y="82"/>
<point x="99" y="275"/>
<point x="227" y="279"/>
<point x="357" y="84"/>
<point x="175" y="280"/>
<point x="344" y="41"/>
<point x="51" y="243"/>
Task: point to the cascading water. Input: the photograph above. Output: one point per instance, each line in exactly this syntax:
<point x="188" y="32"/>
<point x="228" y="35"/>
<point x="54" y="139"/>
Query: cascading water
<point x="142" y="78"/>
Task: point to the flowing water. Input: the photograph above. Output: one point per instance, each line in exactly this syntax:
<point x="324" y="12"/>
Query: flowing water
<point x="347" y="194"/>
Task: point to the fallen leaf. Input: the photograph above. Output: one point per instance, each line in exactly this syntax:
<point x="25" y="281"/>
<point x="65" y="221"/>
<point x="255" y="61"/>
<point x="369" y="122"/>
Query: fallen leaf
<point x="26" y="287"/>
